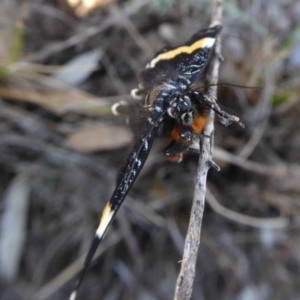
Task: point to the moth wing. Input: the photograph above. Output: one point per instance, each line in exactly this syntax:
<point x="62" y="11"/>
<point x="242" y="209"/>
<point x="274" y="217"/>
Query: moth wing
<point x="129" y="173"/>
<point x="189" y="59"/>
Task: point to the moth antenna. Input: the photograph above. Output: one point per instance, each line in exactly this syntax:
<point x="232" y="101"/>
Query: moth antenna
<point x="226" y="118"/>
<point x="229" y="84"/>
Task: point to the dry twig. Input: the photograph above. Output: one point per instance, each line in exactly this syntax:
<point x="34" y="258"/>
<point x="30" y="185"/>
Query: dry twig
<point x="184" y="284"/>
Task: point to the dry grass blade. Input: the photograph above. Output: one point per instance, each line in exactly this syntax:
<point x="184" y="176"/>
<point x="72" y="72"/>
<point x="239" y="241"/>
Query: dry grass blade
<point x="263" y="110"/>
<point x="12" y="227"/>
<point x="140" y="41"/>
<point x="60" y="46"/>
<point x="62" y="278"/>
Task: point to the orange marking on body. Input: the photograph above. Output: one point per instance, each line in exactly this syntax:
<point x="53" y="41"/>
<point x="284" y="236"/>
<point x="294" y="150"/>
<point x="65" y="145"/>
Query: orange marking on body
<point x="199" y="123"/>
<point x="174" y="158"/>
<point x="175" y="133"/>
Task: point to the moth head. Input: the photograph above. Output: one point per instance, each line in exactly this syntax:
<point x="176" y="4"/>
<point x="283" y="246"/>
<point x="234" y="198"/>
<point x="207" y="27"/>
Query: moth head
<point x="180" y="107"/>
<point x="170" y="97"/>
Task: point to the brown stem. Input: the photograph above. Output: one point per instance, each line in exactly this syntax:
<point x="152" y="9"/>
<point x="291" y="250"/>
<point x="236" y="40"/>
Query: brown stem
<point x="185" y="280"/>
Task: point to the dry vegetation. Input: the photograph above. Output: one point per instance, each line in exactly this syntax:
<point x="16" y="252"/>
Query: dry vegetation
<point x="60" y="148"/>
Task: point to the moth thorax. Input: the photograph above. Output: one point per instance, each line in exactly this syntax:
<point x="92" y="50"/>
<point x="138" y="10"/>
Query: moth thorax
<point x="180" y="108"/>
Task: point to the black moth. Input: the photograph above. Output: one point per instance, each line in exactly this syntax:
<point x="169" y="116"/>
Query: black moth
<point x="175" y="109"/>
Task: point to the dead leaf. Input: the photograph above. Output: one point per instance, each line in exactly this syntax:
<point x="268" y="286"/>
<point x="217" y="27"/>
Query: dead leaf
<point x="59" y="100"/>
<point x="79" y="68"/>
<point x="99" y="137"/>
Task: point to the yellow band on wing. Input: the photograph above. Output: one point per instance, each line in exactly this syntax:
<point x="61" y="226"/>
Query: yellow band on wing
<point x="106" y="217"/>
<point x="205" y="42"/>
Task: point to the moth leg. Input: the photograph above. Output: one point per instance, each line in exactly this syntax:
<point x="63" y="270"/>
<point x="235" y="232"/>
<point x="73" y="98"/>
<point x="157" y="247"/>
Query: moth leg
<point x="175" y="149"/>
<point x="226" y="118"/>
<point x="138" y="93"/>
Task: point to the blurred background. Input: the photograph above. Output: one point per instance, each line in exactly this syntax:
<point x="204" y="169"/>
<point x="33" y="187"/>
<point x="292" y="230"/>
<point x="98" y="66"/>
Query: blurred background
<point x="63" y="63"/>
